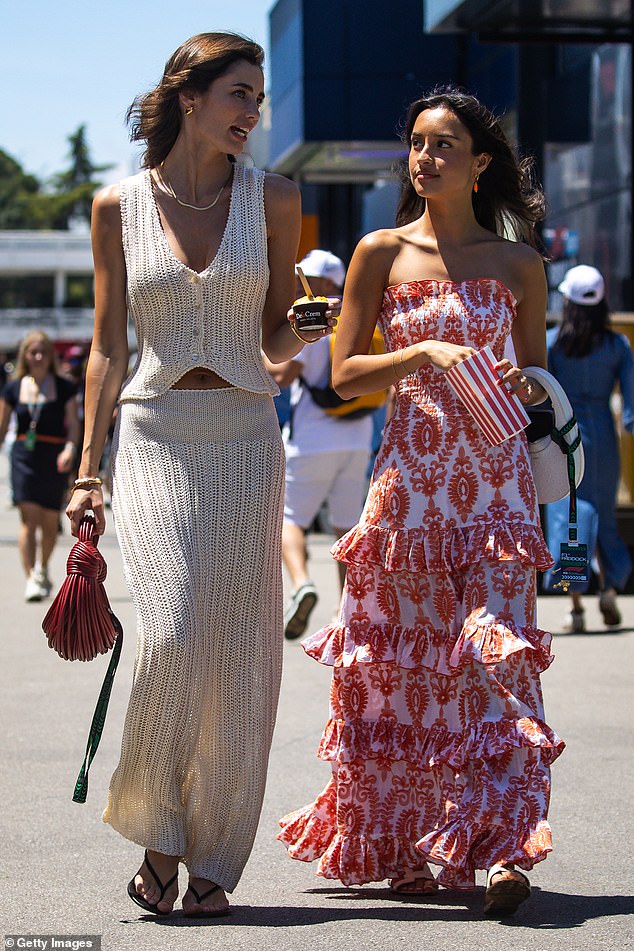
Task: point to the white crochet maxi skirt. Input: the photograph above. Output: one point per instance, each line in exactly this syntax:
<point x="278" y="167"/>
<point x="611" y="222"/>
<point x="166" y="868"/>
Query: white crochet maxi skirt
<point x="197" y="501"/>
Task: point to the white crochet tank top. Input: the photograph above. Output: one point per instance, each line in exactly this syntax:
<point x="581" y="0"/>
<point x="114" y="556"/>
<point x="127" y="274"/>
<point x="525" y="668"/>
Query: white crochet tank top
<point x="185" y="319"/>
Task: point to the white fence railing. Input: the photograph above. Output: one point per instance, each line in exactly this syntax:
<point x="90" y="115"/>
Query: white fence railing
<point x="39" y="252"/>
<point x="60" y="323"/>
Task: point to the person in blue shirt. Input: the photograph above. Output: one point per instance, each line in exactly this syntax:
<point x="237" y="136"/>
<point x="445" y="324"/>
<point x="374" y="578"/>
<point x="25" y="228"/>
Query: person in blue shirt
<point x="589" y="360"/>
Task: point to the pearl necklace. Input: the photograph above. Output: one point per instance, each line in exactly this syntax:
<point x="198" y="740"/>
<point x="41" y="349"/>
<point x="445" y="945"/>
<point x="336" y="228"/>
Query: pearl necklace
<point x="170" y="191"/>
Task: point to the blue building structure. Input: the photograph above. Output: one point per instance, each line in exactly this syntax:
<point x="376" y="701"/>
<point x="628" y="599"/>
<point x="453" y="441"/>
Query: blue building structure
<point x="344" y="71"/>
<point x="559" y="72"/>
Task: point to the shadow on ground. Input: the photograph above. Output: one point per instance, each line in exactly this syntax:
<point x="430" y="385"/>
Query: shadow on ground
<point x="545" y="910"/>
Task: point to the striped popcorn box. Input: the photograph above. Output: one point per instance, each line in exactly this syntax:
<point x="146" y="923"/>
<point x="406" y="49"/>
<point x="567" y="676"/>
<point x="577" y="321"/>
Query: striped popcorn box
<point x="498" y="412"/>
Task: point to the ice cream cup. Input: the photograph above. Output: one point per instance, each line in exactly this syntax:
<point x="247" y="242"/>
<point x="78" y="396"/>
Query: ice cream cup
<point x="310" y="313"/>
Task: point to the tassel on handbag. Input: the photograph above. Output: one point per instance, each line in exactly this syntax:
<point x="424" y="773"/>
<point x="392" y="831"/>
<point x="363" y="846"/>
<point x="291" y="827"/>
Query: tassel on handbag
<point x="80" y="624"/>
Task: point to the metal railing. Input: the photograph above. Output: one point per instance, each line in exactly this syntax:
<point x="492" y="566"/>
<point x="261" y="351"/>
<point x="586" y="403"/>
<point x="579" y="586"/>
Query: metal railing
<point x="60" y="323"/>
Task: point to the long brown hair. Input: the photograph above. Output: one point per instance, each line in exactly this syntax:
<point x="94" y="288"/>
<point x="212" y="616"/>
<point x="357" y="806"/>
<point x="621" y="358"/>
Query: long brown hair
<point x="155" y="117"/>
<point x="34" y="336"/>
<point x="508" y="200"/>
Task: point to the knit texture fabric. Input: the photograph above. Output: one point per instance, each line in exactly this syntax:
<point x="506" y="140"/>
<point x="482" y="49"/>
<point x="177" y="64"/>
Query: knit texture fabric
<point x="183" y="318"/>
<point x="198" y="479"/>
<point x="197" y="501"/>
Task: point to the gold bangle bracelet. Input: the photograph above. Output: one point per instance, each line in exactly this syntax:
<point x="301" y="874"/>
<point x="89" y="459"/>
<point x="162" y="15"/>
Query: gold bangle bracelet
<point x="90" y="482"/>
<point x="396" y="373"/>
<point x="299" y="336"/>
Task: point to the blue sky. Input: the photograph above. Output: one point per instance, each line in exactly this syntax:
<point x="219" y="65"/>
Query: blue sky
<point x="63" y="63"/>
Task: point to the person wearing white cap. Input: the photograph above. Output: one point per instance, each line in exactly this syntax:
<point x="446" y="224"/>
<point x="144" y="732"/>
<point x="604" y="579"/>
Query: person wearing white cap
<point x="583" y="285"/>
<point x="326" y="456"/>
<point x="590" y="360"/>
<point x="324" y="266"/>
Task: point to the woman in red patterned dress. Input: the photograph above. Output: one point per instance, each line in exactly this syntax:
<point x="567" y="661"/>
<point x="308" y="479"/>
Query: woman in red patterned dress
<point x="438" y="745"/>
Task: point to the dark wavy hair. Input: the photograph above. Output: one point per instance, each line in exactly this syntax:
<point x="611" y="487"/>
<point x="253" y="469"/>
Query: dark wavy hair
<point x="508" y="201"/>
<point x="583" y="328"/>
<point x="155" y="117"/>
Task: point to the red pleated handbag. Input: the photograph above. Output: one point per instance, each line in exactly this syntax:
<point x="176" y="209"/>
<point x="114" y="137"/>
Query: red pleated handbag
<point x="80" y="624"/>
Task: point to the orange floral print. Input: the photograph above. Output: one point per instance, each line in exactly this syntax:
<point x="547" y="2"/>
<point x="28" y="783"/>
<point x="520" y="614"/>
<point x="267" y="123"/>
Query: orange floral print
<point x="436" y="738"/>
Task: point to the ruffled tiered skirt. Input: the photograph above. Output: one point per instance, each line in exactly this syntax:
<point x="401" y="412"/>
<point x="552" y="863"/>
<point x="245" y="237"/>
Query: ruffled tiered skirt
<point x="436" y="737"/>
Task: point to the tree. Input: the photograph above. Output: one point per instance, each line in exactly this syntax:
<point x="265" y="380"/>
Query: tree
<point x="27" y="203"/>
<point x="75" y="187"/>
<point x="17" y="190"/>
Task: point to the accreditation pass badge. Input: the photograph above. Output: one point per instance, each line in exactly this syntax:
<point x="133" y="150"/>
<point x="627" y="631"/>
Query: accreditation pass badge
<point x="573" y="561"/>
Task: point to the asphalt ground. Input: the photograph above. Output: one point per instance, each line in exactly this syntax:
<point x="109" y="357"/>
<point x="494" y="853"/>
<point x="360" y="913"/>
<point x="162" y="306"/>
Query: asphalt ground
<point x="63" y="872"/>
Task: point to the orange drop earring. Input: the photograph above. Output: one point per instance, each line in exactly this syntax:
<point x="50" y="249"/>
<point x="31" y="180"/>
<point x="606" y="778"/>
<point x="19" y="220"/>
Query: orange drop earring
<point x="475" y="186"/>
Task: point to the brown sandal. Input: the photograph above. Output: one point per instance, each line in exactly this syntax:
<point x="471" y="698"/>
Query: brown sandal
<point x="506" y="890"/>
<point x="421" y="879"/>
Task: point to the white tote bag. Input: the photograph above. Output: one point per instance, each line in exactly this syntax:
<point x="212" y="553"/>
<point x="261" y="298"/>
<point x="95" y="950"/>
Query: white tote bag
<point x="549" y="454"/>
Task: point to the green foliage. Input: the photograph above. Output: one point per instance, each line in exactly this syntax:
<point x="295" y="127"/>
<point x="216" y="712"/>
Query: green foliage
<point x="17" y="191"/>
<point x="26" y="203"/>
<point x="81" y="171"/>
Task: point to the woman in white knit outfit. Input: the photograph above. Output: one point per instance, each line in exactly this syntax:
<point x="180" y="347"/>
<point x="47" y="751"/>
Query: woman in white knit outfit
<point x="201" y="250"/>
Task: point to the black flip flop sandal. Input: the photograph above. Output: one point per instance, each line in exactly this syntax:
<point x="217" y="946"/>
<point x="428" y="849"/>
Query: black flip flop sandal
<point x="140" y="900"/>
<point x="200" y="899"/>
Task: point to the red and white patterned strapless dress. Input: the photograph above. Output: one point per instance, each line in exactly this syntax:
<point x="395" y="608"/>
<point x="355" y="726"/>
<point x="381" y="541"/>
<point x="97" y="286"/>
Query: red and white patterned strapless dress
<point x="436" y="736"/>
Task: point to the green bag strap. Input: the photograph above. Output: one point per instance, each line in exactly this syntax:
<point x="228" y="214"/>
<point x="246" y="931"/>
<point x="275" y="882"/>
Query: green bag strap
<point x="99" y="716"/>
<point x="557" y="435"/>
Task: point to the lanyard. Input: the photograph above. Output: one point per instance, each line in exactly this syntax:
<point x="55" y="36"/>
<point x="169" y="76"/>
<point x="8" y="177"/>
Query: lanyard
<point x="35" y="411"/>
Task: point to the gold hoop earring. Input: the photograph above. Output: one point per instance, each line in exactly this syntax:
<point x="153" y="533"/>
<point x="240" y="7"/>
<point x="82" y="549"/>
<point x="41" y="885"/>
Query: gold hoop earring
<point x="189" y="111"/>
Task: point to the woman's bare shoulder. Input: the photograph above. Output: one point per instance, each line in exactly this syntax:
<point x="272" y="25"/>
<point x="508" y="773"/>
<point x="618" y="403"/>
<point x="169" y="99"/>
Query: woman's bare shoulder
<point x="108" y="197"/>
<point x="515" y="263"/>
<point x="106" y="220"/>
<point x="282" y="202"/>
<point x="526" y="265"/>
<point x="381" y="239"/>
<point x="378" y="247"/>
<point x="372" y="259"/>
<point x="277" y="188"/>
<point x="106" y="206"/>
<point x="516" y="254"/>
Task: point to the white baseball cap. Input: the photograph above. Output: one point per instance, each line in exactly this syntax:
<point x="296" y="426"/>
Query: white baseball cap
<point x="320" y="263"/>
<point x="583" y="285"/>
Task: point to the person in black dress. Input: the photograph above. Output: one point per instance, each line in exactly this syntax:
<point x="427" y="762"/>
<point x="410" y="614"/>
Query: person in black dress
<point x="47" y="431"/>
